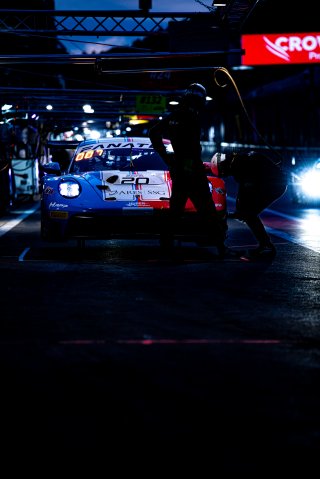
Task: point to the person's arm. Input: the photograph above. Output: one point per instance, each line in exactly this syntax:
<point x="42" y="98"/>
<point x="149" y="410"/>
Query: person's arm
<point x="156" y="137"/>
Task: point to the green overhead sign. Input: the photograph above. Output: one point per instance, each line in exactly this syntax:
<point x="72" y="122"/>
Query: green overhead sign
<point x="150" y="104"/>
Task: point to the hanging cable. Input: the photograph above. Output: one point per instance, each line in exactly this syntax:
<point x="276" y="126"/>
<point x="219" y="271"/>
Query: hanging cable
<point x="226" y="72"/>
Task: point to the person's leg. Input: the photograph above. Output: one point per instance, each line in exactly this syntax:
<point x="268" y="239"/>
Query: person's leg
<point x="256" y="226"/>
<point x="249" y="204"/>
<point x="265" y="248"/>
<point x="170" y="221"/>
<point x="216" y="227"/>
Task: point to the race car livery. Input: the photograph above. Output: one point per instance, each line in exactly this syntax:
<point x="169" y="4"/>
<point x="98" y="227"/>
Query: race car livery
<point x="114" y="187"/>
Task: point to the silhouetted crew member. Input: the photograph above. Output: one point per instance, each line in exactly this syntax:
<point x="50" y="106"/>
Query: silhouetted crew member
<point x="189" y="179"/>
<point x="260" y="183"/>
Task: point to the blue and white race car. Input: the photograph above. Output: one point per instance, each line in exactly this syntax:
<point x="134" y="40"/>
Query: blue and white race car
<point x="114" y="188"/>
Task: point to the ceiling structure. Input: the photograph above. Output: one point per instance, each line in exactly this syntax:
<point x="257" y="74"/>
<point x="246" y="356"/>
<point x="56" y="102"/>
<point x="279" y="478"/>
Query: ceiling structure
<point x="112" y="81"/>
<point x="229" y="13"/>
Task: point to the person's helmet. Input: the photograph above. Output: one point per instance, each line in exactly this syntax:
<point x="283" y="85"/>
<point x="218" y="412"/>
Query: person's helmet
<point x="216" y="163"/>
<point x="195" y="95"/>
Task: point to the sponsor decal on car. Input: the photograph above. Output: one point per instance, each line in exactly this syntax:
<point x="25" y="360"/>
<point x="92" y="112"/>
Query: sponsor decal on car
<point x="48" y="190"/>
<point x="54" y="204"/>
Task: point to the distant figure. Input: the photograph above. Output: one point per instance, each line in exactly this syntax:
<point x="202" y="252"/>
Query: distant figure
<point x="7" y="138"/>
<point x="189" y="178"/>
<point x="261" y="182"/>
<point x="62" y="157"/>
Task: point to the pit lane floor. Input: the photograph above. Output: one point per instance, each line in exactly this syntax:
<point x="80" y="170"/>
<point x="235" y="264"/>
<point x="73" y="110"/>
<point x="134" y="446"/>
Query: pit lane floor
<point x="110" y="354"/>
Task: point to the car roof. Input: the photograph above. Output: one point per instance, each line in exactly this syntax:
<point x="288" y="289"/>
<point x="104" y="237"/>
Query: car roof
<point x="118" y="142"/>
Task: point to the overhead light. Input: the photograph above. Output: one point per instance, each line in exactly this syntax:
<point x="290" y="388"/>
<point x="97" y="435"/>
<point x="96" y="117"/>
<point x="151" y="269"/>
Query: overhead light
<point x="6" y="107"/>
<point x="242" y="67"/>
<point x="88" y="109"/>
<point x="139" y="119"/>
<point x="138" y="122"/>
<point x="78" y="137"/>
<point x="49" y="107"/>
<point x="95" y="135"/>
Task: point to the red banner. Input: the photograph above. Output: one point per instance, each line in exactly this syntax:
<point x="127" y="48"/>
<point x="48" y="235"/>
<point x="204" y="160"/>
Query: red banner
<point x="281" y="48"/>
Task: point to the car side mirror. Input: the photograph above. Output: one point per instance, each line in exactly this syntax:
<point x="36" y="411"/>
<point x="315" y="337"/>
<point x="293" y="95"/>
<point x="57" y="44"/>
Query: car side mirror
<point x="51" y="168"/>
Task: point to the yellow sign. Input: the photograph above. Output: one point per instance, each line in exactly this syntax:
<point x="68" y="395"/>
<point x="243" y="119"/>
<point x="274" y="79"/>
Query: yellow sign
<point x="150" y="104"/>
<point x="61" y="215"/>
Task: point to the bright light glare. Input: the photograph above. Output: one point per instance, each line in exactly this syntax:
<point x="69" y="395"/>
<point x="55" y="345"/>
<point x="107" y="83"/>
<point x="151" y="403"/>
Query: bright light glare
<point x="310" y="183"/>
<point x="169" y="148"/>
<point x="6" y="107"/>
<point x="78" y="137"/>
<point x="88" y="109"/>
<point x="311" y="223"/>
<point x="95" y="135"/>
<point x="308" y="233"/>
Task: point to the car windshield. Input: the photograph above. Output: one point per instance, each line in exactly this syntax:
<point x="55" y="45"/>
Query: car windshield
<point x="124" y="159"/>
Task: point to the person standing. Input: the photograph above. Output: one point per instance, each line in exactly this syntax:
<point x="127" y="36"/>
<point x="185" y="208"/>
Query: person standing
<point x="261" y="181"/>
<point x="189" y="178"/>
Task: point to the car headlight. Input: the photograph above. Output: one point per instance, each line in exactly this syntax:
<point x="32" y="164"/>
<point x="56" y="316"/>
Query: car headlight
<point x="69" y="188"/>
<point x="310" y="183"/>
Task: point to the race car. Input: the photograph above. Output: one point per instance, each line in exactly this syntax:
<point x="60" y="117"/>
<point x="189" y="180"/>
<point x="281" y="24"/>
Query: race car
<point x="116" y="188"/>
<point x="305" y="184"/>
